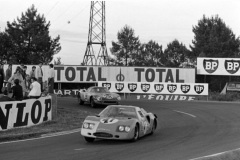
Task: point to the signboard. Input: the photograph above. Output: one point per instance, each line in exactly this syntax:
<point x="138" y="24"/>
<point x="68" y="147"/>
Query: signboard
<point x="166" y="97"/>
<point x="93" y="74"/>
<point x="157" y="88"/>
<point x="127" y="74"/>
<point x="25" y="113"/>
<point x="218" y="66"/>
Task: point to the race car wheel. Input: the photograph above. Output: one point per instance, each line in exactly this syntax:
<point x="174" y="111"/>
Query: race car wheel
<point x="92" y="103"/>
<point x="136" y="134"/>
<point x="154" y="127"/>
<point x="80" y="101"/>
<point x="89" y="139"/>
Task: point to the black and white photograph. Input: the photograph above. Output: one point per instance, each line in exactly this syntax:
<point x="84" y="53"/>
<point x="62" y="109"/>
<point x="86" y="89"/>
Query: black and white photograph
<point x="120" y="80"/>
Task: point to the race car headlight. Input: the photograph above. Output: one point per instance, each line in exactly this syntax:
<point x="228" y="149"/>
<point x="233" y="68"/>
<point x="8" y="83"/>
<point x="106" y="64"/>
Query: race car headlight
<point x="121" y="128"/>
<point x="119" y="98"/>
<point x="91" y="125"/>
<point x="127" y="129"/>
<point x="85" y="125"/>
<point x="88" y="125"/>
<point x="99" y="98"/>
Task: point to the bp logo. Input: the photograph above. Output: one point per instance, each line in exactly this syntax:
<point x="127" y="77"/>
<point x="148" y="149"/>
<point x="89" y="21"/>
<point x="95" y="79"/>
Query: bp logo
<point x="107" y="85"/>
<point x="119" y="86"/>
<point x="232" y="66"/>
<point x="199" y="88"/>
<point x="145" y="87"/>
<point x="132" y="87"/>
<point x="185" y="88"/>
<point x="172" y="88"/>
<point x="158" y="87"/>
<point x="210" y="65"/>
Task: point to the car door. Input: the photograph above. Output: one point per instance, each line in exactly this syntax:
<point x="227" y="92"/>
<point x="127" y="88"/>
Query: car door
<point x="144" y="122"/>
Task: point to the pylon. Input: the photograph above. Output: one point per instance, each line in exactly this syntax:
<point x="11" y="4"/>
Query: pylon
<point x="96" y="36"/>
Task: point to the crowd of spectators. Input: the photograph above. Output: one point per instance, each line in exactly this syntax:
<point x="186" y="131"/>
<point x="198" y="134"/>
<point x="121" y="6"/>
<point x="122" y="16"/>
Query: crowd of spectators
<point x="23" y="85"/>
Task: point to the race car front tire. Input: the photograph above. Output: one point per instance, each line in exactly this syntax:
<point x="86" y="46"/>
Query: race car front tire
<point x="136" y="133"/>
<point x="89" y="139"/>
<point x="92" y="103"/>
<point x="80" y="101"/>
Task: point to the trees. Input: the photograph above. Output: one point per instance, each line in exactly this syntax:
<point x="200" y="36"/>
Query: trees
<point x="214" y="38"/>
<point x="126" y="48"/>
<point x="5" y="45"/>
<point x="130" y="52"/>
<point x="150" y="54"/>
<point x="175" y="54"/>
<point x="30" y="39"/>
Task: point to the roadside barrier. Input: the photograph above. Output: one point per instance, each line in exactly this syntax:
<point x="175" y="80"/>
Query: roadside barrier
<point x="25" y="113"/>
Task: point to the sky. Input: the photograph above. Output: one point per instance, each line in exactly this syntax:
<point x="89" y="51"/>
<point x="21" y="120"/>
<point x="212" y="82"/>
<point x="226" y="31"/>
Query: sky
<point x="158" y="20"/>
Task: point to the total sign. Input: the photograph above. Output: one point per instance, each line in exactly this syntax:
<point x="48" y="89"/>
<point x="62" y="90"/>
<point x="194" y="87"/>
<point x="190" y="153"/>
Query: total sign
<point x="218" y="66"/>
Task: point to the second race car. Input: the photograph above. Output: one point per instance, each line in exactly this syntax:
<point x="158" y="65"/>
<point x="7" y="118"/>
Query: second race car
<point x="98" y="96"/>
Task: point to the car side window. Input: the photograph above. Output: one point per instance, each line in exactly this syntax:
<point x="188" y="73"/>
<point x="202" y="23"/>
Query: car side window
<point x="141" y="114"/>
<point x="88" y="89"/>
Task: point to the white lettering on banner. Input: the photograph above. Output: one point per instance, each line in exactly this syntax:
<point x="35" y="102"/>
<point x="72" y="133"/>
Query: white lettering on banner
<point x="218" y="66"/>
<point x="25" y="113"/>
<point x="157" y="88"/>
<point x="166" y="97"/>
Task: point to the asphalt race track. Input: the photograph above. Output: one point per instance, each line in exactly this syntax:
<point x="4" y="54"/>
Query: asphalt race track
<point x="186" y="130"/>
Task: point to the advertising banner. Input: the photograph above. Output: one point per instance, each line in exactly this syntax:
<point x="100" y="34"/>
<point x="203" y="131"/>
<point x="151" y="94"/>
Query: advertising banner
<point x="218" y="66"/>
<point x="157" y="88"/>
<point x="127" y="74"/>
<point x="165" y="97"/>
<point x="25" y="113"/>
<point x="93" y="74"/>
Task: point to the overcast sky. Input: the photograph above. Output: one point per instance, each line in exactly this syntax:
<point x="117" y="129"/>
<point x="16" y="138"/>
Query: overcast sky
<point x="160" y="20"/>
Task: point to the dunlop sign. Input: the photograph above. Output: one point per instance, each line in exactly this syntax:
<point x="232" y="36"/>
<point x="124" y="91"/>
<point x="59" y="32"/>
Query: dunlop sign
<point x="218" y="66"/>
<point x="156" y="88"/>
<point x="25" y="113"/>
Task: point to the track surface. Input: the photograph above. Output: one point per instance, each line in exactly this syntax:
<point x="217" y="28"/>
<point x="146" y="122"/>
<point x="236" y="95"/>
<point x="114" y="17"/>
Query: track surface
<point x="180" y="136"/>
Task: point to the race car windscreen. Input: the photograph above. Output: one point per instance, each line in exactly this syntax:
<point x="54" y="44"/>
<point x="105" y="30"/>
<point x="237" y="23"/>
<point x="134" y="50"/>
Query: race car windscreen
<point x="119" y="112"/>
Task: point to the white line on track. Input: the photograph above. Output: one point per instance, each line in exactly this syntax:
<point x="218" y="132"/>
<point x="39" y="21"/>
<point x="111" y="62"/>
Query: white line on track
<point x="79" y="149"/>
<point x="216" y="154"/>
<point x="185" y="113"/>
<point x="45" y="136"/>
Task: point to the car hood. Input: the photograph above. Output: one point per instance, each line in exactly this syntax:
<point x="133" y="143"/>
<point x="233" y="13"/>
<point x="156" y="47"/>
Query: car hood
<point x="114" y="95"/>
<point x="111" y="121"/>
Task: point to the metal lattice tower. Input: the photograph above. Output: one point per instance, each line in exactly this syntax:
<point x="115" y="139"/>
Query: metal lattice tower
<point x="96" y="36"/>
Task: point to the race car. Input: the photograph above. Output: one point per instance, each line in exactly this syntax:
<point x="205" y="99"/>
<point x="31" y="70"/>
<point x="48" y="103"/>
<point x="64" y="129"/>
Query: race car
<point x="119" y="122"/>
<point x="98" y="96"/>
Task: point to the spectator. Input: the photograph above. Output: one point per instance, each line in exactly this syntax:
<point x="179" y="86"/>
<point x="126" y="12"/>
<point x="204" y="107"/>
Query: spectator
<point x="32" y="72"/>
<point x="8" y="76"/>
<point x="28" y="82"/>
<point x="24" y="72"/>
<point x="39" y="75"/>
<point x="35" y="89"/>
<point x="51" y="76"/>
<point x="5" y="97"/>
<point x="24" y="84"/>
<point x="16" y="75"/>
<point x="1" y="77"/>
<point x="17" y="91"/>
